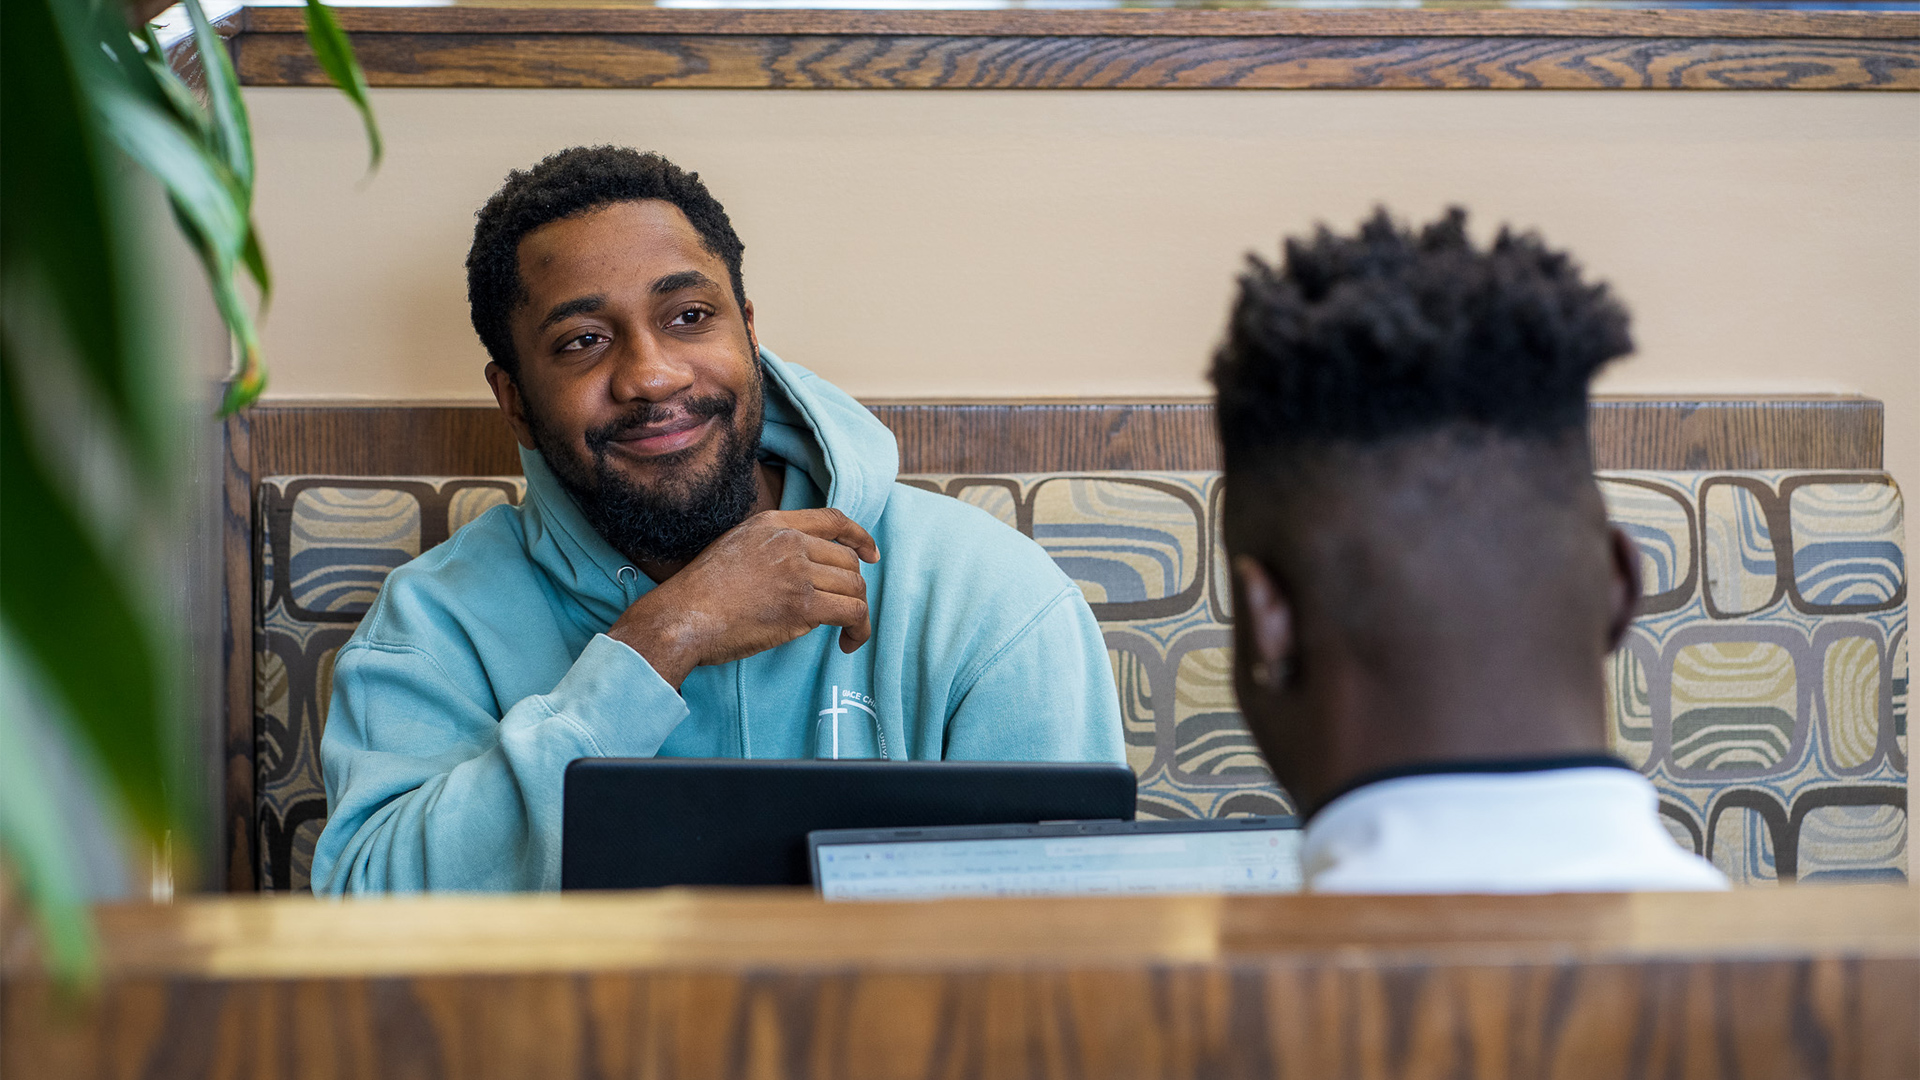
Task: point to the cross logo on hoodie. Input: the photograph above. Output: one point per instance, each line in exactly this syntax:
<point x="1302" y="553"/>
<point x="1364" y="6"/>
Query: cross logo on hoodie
<point x="843" y="703"/>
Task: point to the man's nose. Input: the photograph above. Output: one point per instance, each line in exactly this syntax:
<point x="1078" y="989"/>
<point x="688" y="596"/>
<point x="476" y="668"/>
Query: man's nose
<point x="648" y="371"/>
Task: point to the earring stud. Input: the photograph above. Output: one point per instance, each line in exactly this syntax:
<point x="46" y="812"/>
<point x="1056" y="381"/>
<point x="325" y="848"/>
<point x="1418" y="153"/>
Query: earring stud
<point x="1268" y="675"/>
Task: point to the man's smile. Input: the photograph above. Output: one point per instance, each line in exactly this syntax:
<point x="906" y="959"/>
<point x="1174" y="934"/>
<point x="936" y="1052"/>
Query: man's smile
<point x="665" y="437"/>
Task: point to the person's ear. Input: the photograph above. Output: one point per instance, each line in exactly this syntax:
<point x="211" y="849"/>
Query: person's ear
<point x="506" y="392"/>
<point x="1265" y="618"/>
<point x="753" y="339"/>
<point x="1623" y="594"/>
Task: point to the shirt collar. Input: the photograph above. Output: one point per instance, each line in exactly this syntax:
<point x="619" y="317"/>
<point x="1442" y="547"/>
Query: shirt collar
<point x="1544" y="763"/>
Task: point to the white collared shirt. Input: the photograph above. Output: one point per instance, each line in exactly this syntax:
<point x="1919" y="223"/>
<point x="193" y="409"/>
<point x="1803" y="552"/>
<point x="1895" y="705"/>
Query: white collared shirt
<point x="1590" y="829"/>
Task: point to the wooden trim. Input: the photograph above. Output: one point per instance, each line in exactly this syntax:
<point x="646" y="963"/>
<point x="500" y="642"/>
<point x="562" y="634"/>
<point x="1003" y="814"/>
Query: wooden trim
<point x="241" y="828"/>
<point x="588" y="18"/>
<point x="1627" y="433"/>
<point x="999" y="62"/>
<point x="382" y="439"/>
<point x="1025" y="435"/>
<point x="1028" y="435"/>
<point x="588" y="45"/>
<point x="1838" y="431"/>
<point x="1755" y="983"/>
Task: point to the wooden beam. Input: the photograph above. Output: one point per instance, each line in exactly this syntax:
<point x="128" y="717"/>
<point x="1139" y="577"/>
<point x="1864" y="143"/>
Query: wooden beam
<point x="474" y="44"/>
<point x="382" y="439"/>
<point x="1481" y="20"/>
<point x="240" y="828"/>
<point x="1148" y="62"/>
<point x="1026" y="435"/>
<point x="1838" y="431"/>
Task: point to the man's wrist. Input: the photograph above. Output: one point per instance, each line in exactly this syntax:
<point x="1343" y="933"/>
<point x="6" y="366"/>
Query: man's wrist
<point x="663" y="639"/>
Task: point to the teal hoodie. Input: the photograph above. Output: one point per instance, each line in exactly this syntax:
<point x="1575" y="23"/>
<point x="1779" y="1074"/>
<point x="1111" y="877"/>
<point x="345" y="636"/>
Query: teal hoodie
<point x="483" y="667"/>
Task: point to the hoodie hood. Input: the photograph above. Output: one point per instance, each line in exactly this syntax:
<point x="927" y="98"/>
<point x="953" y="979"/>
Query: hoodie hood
<point x="810" y="424"/>
<point x="843" y="448"/>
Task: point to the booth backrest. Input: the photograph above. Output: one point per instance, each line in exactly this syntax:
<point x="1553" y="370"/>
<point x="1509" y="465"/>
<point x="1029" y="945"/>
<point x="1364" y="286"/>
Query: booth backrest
<point x="1763" y="688"/>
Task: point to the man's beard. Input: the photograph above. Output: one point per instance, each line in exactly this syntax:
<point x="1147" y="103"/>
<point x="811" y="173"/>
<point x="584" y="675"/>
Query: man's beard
<point x="676" y="518"/>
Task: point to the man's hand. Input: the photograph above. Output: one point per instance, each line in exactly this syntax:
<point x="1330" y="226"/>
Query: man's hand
<point x="768" y="580"/>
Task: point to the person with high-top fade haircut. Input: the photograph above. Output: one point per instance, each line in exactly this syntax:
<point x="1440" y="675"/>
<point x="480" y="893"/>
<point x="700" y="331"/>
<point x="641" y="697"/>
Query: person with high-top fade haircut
<point x="1426" y="586"/>
<point x="713" y="560"/>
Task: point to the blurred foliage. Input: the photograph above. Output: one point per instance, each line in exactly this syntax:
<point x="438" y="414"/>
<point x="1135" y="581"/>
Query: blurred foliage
<point x="93" y="411"/>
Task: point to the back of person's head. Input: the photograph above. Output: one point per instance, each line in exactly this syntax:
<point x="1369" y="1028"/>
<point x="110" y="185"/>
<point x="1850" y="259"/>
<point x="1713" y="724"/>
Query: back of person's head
<point x="1418" y="543"/>
<point x="576" y="181"/>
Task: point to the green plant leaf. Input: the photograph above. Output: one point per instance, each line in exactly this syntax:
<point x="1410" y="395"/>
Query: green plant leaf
<point x="158" y="76"/>
<point x="244" y="389"/>
<point x="74" y="618"/>
<point x="206" y="202"/>
<point x="59" y="220"/>
<point x="67" y="255"/>
<point x="335" y="53"/>
<point x="233" y="135"/>
<point x="201" y="188"/>
<point x="248" y="377"/>
<point x="256" y="262"/>
<point x="32" y="834"/>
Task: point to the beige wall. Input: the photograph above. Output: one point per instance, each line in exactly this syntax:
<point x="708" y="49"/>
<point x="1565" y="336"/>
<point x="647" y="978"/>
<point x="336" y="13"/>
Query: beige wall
<point x="1017" y="243"/>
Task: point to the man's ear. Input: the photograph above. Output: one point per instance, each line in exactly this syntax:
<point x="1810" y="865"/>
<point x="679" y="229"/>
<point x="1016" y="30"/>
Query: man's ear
<point x="1265" y="616"/>
<point x="1623" y="595"/>
<point x="753" y="339"/>
<point x="506" y="392"/>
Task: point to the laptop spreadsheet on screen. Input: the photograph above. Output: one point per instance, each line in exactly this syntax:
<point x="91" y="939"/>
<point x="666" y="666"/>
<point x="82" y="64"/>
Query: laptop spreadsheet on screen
<point x="1225" y="855"/>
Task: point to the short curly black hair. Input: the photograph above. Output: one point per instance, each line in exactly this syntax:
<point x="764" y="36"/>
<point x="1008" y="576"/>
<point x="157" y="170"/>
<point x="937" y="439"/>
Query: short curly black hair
<point x="1356" y="340"/>
<point x="571" y="182"/>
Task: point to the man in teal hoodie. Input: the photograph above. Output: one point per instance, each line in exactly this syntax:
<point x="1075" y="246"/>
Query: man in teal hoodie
<point x="712" y="560"/>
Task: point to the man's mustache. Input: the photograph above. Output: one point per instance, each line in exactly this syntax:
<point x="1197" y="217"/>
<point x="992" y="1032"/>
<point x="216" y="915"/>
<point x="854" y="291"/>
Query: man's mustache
<point x="641" y="416"/>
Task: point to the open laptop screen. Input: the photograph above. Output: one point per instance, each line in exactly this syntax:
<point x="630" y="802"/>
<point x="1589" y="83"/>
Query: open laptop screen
<point x="1224" y="855"/>
<point x="639" y="823"/>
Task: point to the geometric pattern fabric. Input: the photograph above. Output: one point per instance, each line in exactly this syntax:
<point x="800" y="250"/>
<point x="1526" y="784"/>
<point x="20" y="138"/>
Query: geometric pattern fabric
<point x="1763" y="687"/>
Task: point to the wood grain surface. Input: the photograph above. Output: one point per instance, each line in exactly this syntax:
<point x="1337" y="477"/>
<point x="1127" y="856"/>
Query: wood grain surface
<point x="1649" y="19"/>
<point x="1084" y="62"/>
<point x="478" y="44"/>
<point x="1781" y="983"/>
<point x="390" y="439"/>
<point x="1811" y="432"/>
<point x="236" y="642"/>
<point x="358" y="439"/>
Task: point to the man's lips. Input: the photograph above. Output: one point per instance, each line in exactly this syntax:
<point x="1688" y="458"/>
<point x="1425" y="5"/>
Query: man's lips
<point x="665" y="438"/>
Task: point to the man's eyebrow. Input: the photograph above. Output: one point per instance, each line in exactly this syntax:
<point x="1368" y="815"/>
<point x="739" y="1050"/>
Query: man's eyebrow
<point x="684" y="279"/>
<point x="579" y="305"/>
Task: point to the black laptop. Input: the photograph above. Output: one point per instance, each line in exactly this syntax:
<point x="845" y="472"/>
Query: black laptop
<point x="637" y="823"/>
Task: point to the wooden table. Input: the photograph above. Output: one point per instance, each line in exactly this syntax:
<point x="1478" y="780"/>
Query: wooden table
<point x="1794" y="982"/>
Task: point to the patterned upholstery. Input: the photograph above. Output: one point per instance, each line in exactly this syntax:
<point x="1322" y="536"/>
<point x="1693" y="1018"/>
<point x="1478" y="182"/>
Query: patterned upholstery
<point x="1764" y="685"/>
<point x="1763" y="689"/>
<point x="1145" y="549"/>
<point x="325" y="546"/>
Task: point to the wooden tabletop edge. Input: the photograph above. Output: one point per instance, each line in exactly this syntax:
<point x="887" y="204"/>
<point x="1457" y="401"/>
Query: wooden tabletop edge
<point x="761" y="930"/>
